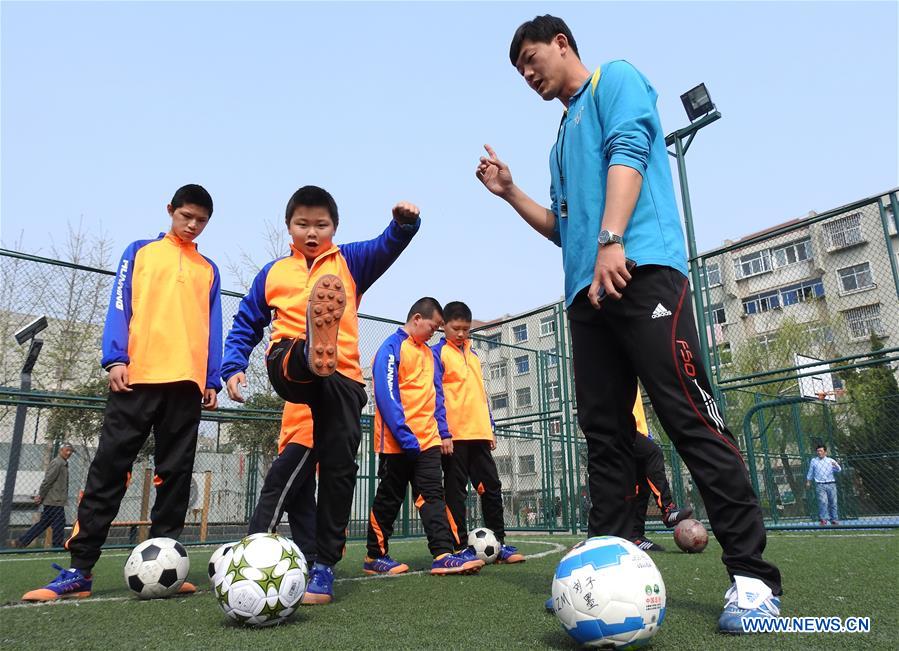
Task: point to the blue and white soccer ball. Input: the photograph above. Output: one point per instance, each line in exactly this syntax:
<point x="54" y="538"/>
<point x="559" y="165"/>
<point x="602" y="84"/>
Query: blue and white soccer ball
<point x="608" y="592"/>
<point x="260" y="580"/>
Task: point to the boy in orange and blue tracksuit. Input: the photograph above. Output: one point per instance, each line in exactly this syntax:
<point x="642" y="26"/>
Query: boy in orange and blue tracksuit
<point x="311" y="298"/>
<point x="410" y="435"/>
<point x="162" y="348"/>
<point x="468" y="418"/>
<point x="289" y="485"/>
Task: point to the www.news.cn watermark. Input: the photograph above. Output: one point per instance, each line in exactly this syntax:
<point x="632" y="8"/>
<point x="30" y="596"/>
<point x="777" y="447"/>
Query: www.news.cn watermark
<point x="806" y="624"/>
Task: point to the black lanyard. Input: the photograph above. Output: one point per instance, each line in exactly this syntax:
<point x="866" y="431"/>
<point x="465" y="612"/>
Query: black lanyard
<point x="560" y="152"/>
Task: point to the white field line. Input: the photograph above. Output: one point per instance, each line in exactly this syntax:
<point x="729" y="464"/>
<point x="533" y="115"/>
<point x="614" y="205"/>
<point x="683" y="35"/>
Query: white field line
<point x="555" y="549"/>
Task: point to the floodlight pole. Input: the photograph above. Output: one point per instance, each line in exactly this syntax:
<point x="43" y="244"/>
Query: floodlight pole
<point x="681" y="140"/>
<point x="15" y="448"/>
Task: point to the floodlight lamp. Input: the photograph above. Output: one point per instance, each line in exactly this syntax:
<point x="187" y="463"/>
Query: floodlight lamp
<point x="697" y="102"/>
<point x="30" y="330"/>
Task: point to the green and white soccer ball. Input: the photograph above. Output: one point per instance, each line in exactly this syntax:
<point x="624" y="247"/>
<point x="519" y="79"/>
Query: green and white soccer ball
<point x="260" y="580"/>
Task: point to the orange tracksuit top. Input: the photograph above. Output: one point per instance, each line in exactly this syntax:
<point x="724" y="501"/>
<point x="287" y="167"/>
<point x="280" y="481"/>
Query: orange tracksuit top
<point x="165" y="315"/>
<point x="640" y="415"/>
<point x="465" y="398"/>
<point x="296" y="426"/>
<point x="280" y="292"/>
<point x="408" y="404"/>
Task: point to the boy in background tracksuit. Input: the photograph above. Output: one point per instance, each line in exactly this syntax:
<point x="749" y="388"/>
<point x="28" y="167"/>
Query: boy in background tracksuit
<point x="410" y="434"/>
<point x="458" y="370"/>
<point x="289" y="486"/>
<point x="162" y="348"/>
<point x="310" y="297"/>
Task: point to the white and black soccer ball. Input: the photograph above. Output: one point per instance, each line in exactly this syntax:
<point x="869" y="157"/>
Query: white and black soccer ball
<point x="608" y="593"/>
<point x="261" y="579"/>
<point x="215" y="561"/>
<point x="157" y="568"/>
<point x="485" y="545"/>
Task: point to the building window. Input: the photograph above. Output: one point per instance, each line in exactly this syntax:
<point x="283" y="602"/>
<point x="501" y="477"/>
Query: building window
<point x="802" y="292"/>
<point x="758" y="303"/>
<point x="527" y="464"/>
<point x="555" y="426"/>
<point x="716" y="310"/>
<point x="503" y="465"/>
<point x="552" y="391"/>
<point x="844" y="232"/>
<point x="766" y="341"/>
<point x="792" y="253"/>
<point x="520" y="333"/>
<point x="856" y="277"/>
<point x="752" y="264"/>
<point x="493" y="341"/>
<point x="712" y="274"/>
<point x="558" y="460"/>
<point x="522" y="365"/>
<point x="547" y="326"/>
<point x="552" y="360"/>
<point x="526" y="429"/>
<point x="523" y="397"/>
<point x="864" y="321"/>
<point x="498" y="371"/>
<point x="499" y="401"/>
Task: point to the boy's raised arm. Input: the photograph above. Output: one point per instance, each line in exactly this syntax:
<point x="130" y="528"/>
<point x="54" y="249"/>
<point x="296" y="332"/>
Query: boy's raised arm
<point x="369" y="260"/>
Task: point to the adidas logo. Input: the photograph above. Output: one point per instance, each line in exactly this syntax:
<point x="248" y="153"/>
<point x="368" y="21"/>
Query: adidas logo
<point x="660" y="311"/>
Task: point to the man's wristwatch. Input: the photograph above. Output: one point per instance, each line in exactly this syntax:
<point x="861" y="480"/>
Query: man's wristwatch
<point x="608" y="237"/>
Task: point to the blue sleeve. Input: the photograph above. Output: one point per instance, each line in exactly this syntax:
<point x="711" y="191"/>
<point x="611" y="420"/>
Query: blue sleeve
<point x="440" y="405"/>
<point x="118" y="316"/>
<point x="369" y="260"/>
<point x="214" y="359"/>
<point x="385" y="377"/>
<point x="627" y="110"/>
<point x="247" y="329"/>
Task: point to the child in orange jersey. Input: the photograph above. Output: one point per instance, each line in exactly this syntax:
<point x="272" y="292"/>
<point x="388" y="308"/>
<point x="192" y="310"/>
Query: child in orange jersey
<point x="162" y="348"/>
<point x="471" y="426"/>
<point x="410" y="434"/>
<point x="310" y="297"/>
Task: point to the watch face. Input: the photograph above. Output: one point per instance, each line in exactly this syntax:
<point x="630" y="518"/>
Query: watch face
<point x="604" y="237"/>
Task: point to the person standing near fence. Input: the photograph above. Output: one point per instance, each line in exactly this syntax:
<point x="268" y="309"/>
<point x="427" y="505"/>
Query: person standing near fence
<point x="611" y="188"/>
<point x="53" y="495"/>
<point x="162" y="349"/>
<point x="821" y="470"/>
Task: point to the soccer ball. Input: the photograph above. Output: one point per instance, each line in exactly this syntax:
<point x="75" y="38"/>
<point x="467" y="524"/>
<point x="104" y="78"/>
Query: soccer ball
<point x="261" y="579"/>
<point x="217" y="556"/>
<point x="691" y="536"/>
<point x="608" y="592"/>
<point x="157" y="568"/>
<point x="484" y="543"/>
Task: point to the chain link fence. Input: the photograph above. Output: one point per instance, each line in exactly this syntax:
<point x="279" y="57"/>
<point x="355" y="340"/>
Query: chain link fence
<point x="801" y="323"/>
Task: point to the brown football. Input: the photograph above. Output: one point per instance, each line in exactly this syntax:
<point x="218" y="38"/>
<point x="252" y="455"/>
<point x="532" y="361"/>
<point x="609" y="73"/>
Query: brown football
<point x="691" y="536"/>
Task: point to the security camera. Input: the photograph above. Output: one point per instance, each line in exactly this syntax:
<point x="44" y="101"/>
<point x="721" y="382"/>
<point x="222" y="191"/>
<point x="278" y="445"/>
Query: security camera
<point x="30" y="330"/>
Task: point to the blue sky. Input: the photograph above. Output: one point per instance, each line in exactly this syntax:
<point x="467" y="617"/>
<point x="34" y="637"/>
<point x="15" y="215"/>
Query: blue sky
<point x="107" y="108"/>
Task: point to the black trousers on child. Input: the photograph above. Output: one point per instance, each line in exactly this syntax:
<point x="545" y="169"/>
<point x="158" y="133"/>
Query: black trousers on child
<point x="53" y="517"/>
<point x="651" y="481"/>
<point x="395" y="472"/>
<point x="336" y="403"/>
<point x="650" y="333"/>
<point x="473" y="461"/>
<point x="172" y="412"/>
<point x="289" y="487"/>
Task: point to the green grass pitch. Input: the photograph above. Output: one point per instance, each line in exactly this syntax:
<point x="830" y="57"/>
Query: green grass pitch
<point x="837" y="573"/>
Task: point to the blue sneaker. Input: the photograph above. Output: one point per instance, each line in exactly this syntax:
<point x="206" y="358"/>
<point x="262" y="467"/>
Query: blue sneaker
<point x="464" y="562"/>
<point x="509" y="555"/>
<point x="383" y="565"/>
<point x="68" y="584"/>
<point x="320" y="588"/>
<point x="747" y="599"/>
